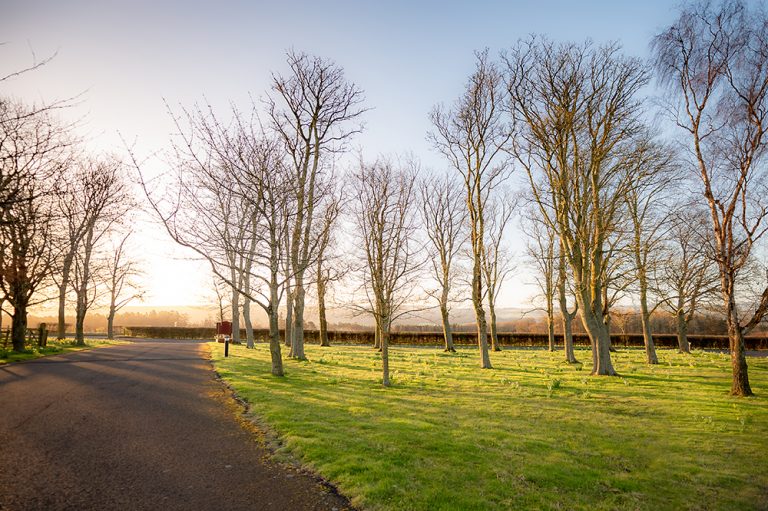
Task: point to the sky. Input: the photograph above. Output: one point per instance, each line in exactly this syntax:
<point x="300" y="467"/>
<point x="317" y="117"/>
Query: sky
<point x="129" y="61"/>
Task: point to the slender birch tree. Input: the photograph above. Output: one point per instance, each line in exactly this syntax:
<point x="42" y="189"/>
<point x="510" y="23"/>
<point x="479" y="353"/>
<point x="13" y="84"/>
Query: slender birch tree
<point x="713" y="59"/>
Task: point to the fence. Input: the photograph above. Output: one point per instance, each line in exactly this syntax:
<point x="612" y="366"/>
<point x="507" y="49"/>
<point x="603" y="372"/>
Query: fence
<point x="33" y="337"/>
<point x="459" y="338"/>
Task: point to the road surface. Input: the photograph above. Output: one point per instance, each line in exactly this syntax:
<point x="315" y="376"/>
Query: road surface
<point x="136" y="426"/>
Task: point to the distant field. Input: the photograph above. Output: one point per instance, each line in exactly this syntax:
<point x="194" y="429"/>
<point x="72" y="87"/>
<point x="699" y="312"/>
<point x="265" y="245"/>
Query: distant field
<point x="533" y="433"/>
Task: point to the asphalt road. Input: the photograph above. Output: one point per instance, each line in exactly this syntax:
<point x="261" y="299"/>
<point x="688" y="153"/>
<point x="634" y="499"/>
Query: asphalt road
<point x="137" y="426"/>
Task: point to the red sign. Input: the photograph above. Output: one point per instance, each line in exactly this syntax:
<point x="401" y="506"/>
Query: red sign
<point x="224" y="328"/>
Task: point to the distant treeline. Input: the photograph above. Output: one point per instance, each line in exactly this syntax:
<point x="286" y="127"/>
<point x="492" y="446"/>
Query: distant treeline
<point x="461" y="338"/>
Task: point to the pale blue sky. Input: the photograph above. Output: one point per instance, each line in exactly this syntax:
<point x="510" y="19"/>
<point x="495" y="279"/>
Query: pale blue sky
<point x="407" y="56"/>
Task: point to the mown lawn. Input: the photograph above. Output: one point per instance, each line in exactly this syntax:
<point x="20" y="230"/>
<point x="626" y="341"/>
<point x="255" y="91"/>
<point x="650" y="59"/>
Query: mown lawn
<point x="533" y="433"/>
<point x="54" y="347"/>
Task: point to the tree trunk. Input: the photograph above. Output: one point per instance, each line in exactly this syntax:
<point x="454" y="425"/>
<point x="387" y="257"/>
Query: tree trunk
<point x="385" y="354"/>
<point x="550" y="328"/>
<point x="323" y="321"/>
<point x="645" y="318"/>
<point x="599" y="337"/>
<point x="377" y="337"/>
<point x="247" y="321"/>
<point x="274" y="334"/>
<point x="79" y="328"/>
<point x="447" y="333"/>
<point x="570" y="356"/>
<point x="19" y="326"/>
<point x="682" y="332"/>
<point x="494" y="334"/>
<point x="482" y="327"/>
<point x="565" y="314"/>
<point x="740" y="385"/>
<point x="288" y="316"/>
<point x="61" y="326"/>
<point x="111" y="323"/>
<point x="235" y="313"/>
<point x="297" y="345"/>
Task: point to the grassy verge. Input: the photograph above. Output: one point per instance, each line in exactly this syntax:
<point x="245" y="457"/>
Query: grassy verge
<point x="533" y="433"/>
<point x="54" y="347"/>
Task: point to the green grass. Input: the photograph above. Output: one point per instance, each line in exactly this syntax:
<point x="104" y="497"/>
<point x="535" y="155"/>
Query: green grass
<point x="54" y="347"/>
<point x="533" y="433"/>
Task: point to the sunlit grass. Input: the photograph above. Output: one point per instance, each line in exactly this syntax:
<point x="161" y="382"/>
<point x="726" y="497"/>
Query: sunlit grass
<point x="54" y="347"/>
<point x="533" y="433"/>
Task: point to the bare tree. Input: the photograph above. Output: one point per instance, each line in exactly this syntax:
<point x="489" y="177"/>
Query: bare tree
<point x="220" y="288"/>
<point x="576" y="114"/>
<point x="542" y="255"/>
<point x="497" y="263"/>
<point x="33" y="153"/>
<point x="315" y="110"/>
<point x="231" y="189"/>
<point x="121" y="281"/>
<point x="106" y="199"/>
<point x="648" y="215"/>
<point x="443" y="215"/>
<point x="713" y="59"/>
<point x="26" y="255"/>
<point x="74" y="216"/>
<point x="567" y="316"/>
<point x="384" y="214"/>
<point x="473" y="136"/>
<point x="328" y="267"/>
<point x="689" y="275"/>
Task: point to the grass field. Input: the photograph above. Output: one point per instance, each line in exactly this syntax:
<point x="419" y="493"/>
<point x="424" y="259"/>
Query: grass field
<point x="54" y="348"/>
<point x="533" y="433"/>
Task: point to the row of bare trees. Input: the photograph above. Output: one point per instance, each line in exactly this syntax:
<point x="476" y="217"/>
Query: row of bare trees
<point x="605" y="190"/>
<point x="60" y="213"/>
<point x="614" y="207"/>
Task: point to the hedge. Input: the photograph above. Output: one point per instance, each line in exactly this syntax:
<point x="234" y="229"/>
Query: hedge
<point x="459" y="338"/>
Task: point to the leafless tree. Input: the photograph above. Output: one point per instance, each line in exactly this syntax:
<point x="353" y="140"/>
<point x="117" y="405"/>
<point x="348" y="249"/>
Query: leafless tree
<point x="564" y="289"/>
<point x="106" y="200"/>
<point x="689" y="276"/>
<point x="122" y="283"/>
<point x="384" y="215"/>
<point x="34" y="151"/>
<point x="543" y="256"/>
<point x="648" y="215"/>
<point x="26" y="254"/>
<point x="220" y="288"/>
<point x="473" y="136"/>
<point x="713" y="60"/>
<point x="231" y="179"/>
<point x="443" y="215"/>
<point x="497" y="261"/>
<point x="576" y="112"/>
<point x="316" y="110"/>
<point x="328" y="267"/>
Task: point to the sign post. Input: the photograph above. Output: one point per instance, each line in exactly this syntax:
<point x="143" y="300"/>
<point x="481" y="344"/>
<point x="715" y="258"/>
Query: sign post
<point x="223" y="334"/>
